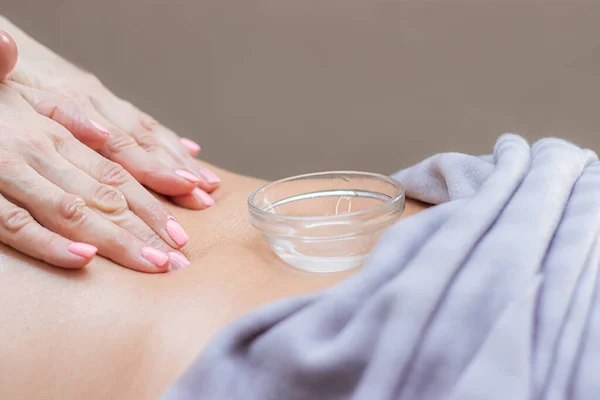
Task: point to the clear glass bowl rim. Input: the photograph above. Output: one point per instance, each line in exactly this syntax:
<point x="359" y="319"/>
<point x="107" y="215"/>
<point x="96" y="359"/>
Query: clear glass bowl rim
<point x="396" y="201"/>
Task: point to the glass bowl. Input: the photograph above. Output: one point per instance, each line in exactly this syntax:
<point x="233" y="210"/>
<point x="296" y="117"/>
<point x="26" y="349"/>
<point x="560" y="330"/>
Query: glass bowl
<point x="326" y="221"/>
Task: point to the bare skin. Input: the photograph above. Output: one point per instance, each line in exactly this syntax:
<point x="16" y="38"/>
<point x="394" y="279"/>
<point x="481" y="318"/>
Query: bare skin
<point x="8" y="54"/>
<point x="149" y="151"/>
<point x="63" y="203"/>
<point x="106" y="332"/>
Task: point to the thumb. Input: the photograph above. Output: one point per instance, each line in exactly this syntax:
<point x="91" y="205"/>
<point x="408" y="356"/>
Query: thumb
<point x="8" y="54"/>
<point x="66" y="113"/>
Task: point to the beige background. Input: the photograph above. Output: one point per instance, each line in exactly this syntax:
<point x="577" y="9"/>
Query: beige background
<point x="276" y="87"/>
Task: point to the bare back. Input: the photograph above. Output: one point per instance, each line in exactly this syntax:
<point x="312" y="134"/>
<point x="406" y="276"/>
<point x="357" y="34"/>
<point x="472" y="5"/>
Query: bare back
<point x="109" y="333"/>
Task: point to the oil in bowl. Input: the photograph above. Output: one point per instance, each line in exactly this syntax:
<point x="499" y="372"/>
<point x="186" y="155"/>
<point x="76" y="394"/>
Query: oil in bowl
<point x="328" y="221"/>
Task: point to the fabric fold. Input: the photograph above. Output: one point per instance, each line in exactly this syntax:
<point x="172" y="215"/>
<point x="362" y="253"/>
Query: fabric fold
<point x="492" y="292"/>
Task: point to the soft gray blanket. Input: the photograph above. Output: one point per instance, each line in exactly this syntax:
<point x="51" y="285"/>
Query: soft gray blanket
<point x="493" y="295"/>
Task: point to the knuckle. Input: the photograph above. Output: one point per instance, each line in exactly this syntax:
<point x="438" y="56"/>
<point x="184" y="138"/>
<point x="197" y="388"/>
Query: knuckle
<point x="61" y="138"/>
<point x="38" y="144"/>
<point x="121" y="142"/>
<point x="110" y="199"/>
<point x="121" y="240"/>
<point x="156" y="242"/>
<point x="15" y="220"/>
<point x="66" y="109"/>
<point x="72" y="209"/>
<point x="113" y="174"/>
<point x="38" y="148"/>
<point x="46" y="242"/>
<point x="156" y="212"/>
<point x="151" y="147"/>
<point x="146" y="140"/>
<point x="148" y="122"/>
<point x="62" y="106"/>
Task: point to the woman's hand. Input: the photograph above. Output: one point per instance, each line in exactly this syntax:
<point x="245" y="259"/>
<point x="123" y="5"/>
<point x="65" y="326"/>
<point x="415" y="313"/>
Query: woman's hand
<point x="61" y="202"/>
<point x="153" y="154"/>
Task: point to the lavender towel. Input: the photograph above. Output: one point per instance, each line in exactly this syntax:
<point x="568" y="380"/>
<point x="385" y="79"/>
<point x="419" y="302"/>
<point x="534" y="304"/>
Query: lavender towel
<point x="492" y="294"/>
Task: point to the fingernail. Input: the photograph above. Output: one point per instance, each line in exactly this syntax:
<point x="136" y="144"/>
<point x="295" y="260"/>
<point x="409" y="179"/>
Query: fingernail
<point x="188" y="175"/>
<point x="100" y="127"/>
<point x="155" y="256"/>
<point x="178" y="261"/>
<point x="177" y="232"/>
<point x="82" y="249"/>
<point x="190" y="145"/>
<point x="209" y="176"/>
<point x="205" y="197"/>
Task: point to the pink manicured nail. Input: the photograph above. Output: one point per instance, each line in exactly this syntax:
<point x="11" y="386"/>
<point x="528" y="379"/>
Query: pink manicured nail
<point x="188" y="175"/>
<point x="177" y="232"/>
<point x="156" y="257"/>
<point x="205" y="197"/>
<point x="190" y="145"/>
<point x="178" y="261"/>
<point x="100" y="127"/>
<point x="82" y="249"/>
<point x="209" y="176"/>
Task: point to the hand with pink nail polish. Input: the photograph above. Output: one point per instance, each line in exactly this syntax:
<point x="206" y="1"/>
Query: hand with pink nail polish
<point x="63" y="203"/>
<point x="150" y="152"/>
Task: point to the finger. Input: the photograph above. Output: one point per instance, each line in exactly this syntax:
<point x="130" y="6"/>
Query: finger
<point x="192" y="147"/>
<point x="157" y="142"/>
<point x="106" y="200"/>
<point x="210" y="179"/>
<point x="132" y="122"/>
<point x="176" y="147"/>
<point x="149" y="171"/>
<point x="9" y="54"/>
<point x="110" y="177"/>
<point x="68" y="215"/>
<point x="66" y="113"/>
<point x="156" y="139"/>
<point x="164" y="139"/>
<point x="148" y="140"/>
<point x="177" y="261"/>
<point x="20" y="231"/>
<point x="197" y="200"/>
<point x="180" y="146"/>
<point x="145" y="167"/>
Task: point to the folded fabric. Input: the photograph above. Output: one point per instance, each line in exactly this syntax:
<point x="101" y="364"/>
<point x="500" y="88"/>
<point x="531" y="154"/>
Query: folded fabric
<point x="492" y="294"/>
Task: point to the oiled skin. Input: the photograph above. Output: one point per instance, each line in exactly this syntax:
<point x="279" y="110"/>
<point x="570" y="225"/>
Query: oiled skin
<point x="106" y="332"/>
